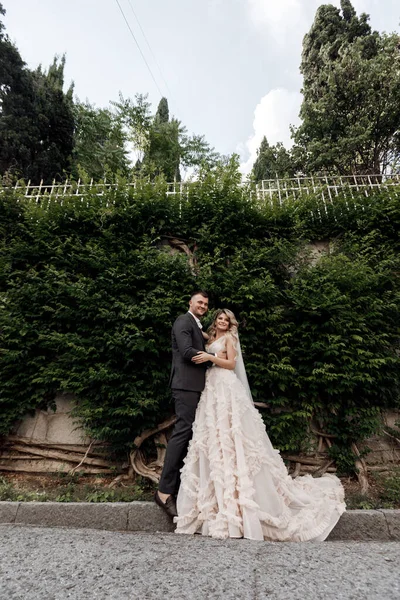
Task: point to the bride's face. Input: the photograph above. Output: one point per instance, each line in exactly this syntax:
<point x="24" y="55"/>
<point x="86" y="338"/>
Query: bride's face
<point x="222" y="323"/>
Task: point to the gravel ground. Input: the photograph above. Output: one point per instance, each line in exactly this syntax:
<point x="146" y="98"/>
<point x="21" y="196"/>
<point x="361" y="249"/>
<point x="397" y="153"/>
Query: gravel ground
<point x="56" y="564"/>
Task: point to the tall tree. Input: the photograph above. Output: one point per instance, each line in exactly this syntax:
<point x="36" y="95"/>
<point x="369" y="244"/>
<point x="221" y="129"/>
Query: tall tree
<point x="348" y="11"/>
<point x="162" y="114"/>
<point x="136" y="120"/>
<point x="36" y="117"/>
<point x="163" y="153"/>
<point x="197" y="153"/>
<point x="51" y="149"/>
<point x="15" y="105"/>
<point x="170" y="148"/>
<point x="329" y="32"/>
<point x="99" y="143"/>
<point x="351" y="105"/>
<point x="272" y="161"/>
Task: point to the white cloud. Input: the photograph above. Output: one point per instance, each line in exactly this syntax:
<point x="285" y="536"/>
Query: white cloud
<point x="287" y="21"/>
<point x="273" y="116"/>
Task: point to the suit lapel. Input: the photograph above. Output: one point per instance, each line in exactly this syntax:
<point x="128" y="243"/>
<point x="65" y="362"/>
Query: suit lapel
<point x="197" y="330"/>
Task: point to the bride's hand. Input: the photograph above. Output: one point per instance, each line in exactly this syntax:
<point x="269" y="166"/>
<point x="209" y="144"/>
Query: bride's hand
<point x="202" y="357"/>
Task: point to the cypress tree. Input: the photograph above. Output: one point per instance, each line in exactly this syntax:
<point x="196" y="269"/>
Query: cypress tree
<point x="162" y="114"/>
<point x="351" y="89"/>
<point x="36" y="118"/>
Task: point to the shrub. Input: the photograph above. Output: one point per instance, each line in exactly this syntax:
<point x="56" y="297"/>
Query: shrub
<point x="89" y="291"/>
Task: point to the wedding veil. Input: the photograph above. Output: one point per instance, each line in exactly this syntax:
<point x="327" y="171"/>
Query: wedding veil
<point x="240" y="370"/>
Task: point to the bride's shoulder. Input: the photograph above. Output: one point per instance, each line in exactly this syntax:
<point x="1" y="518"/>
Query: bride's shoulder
<point x="230" y="337"/>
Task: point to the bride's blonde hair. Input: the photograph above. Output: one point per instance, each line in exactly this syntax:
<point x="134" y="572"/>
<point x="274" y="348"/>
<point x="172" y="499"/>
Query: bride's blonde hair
<point x="233" y="325"/>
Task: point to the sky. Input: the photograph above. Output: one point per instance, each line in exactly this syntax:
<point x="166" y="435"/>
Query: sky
<point x="229" y="68"/>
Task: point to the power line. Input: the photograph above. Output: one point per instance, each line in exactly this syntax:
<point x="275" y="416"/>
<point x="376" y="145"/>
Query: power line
<point x="140" y="50"/>
<point x="149" y="47"/>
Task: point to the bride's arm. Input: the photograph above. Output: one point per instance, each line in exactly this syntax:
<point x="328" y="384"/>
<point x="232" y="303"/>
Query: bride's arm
<point x="226" y="363"/>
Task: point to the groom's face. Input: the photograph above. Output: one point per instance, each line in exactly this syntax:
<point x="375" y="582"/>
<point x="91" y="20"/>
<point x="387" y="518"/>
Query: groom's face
<point x="198" y="305"/>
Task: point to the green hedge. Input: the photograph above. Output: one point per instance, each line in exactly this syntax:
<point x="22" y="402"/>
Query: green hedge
<point x="88" y="293"/>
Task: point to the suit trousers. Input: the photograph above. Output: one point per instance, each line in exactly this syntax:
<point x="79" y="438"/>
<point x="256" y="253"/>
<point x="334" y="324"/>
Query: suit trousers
<point x="185" y="409"/>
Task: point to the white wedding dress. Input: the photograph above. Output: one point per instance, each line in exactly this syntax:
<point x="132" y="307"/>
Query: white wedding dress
<point x="235" y="484"/>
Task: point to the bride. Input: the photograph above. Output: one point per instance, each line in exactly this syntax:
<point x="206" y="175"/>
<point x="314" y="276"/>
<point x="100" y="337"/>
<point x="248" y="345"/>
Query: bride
<point x="233" y="482"/>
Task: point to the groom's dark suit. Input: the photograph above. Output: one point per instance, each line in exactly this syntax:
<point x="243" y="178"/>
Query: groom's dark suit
<point x="187" y="382"/>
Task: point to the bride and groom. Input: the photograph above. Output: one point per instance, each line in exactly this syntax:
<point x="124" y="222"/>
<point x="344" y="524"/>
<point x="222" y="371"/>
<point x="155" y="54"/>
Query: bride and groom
<point x="232" y="482"/>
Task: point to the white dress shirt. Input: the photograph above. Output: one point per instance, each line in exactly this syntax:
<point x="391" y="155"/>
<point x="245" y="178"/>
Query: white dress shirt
<point x="199" y="325"/>
<point x="196" y="319"/>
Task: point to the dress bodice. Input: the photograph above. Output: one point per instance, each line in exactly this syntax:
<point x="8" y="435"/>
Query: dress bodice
<point x="217" y="345"/>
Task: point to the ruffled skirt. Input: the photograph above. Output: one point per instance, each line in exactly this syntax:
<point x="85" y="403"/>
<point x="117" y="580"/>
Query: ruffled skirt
<point x="235" y="484"/>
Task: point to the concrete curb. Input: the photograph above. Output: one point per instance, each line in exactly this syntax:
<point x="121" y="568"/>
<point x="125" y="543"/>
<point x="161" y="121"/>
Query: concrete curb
<point x="360" y="525"/>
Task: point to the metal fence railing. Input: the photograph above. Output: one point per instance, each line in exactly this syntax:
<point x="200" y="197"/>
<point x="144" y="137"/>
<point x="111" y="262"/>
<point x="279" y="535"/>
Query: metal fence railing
<point x="332" y="185"/>
<point x="268" y="189"/>
<point x="70" y="188"/>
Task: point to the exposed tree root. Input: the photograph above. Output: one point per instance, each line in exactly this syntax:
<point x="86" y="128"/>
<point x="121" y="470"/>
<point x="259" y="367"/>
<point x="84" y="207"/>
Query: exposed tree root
<point x="24" y="455"/>
<point x="362" y="471"/>
<point x="153" y="469"/>
<point x="391" y="436"/>
<point x="34" y="456"/>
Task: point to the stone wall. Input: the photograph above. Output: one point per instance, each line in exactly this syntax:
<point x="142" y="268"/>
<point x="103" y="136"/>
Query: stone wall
<point x="53" y="442"/>
<point x="54" y="427"/>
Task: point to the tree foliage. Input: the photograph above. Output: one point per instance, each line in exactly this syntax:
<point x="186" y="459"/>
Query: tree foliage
<point x="170" y="148"/>
<point x="273" y="161"/>
<point x="99" y="143"/>
<point x="351" y="86"/>
<point x="135" y="117"/>
<point x="164" y="149"/>
<point x="36" y="118"/>
<point x="351" y="101"/>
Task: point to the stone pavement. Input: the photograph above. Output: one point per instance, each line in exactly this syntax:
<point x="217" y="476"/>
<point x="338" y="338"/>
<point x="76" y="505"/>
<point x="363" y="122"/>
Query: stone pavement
<point x="77" y="564"/>
<point x="360" y="525"/>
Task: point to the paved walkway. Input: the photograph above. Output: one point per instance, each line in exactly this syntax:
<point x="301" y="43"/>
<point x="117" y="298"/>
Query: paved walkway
<point x="75" y="564"/>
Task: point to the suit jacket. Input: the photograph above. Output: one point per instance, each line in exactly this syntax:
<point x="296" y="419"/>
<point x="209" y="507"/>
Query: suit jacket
<point x="187" y="340"/>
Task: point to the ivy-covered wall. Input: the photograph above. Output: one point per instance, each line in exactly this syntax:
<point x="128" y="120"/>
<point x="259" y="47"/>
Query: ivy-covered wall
<point x="89" y="289"/>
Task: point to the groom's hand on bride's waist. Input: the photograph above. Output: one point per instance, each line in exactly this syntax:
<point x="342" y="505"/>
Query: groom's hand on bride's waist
<point x="204" y="356"/>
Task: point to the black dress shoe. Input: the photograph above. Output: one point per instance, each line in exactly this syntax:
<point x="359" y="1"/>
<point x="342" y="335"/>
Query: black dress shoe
<point x="169" y="505"/>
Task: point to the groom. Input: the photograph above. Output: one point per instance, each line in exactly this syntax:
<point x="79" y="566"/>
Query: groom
<point x="187" y="382"/>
